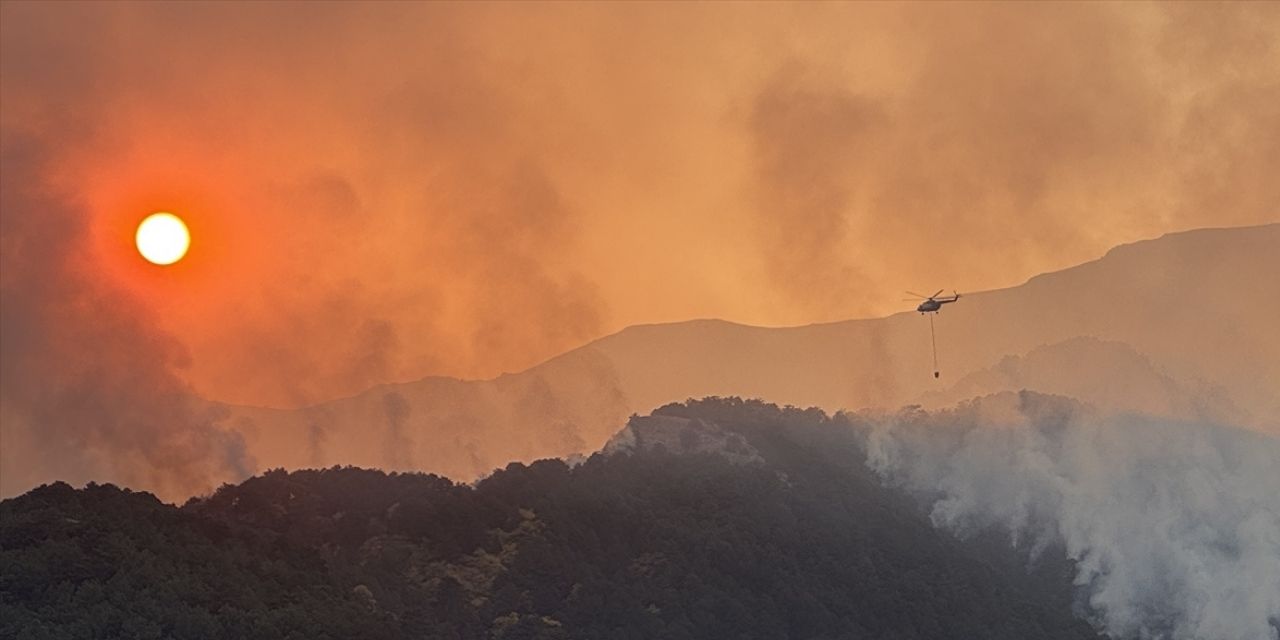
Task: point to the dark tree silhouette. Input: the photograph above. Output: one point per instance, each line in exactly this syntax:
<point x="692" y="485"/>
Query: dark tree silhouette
<point x="783" y="534"/>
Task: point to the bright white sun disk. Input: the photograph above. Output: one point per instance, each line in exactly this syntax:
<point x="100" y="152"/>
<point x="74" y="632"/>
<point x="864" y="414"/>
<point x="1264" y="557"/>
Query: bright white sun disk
<point x="163" y="238"/>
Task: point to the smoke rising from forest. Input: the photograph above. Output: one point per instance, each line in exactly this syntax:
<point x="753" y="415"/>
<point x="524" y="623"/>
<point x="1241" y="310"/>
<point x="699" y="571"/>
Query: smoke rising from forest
<point x="91" y="392"/>
<point x="1175" y="526"/>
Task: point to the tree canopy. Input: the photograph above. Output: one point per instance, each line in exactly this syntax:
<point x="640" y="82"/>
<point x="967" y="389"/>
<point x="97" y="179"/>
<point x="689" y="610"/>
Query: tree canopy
<point x="797" y="540"/>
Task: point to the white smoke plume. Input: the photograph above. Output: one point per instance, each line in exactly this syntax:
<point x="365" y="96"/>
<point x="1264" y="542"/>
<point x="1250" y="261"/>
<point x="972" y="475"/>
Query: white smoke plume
<point x="1174" y="526"/>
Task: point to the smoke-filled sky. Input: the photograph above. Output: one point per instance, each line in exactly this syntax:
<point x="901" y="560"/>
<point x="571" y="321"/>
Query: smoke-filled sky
<point x="380" y="192"/>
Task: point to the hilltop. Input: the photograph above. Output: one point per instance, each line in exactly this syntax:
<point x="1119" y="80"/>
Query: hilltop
<point x="667" y="535"/>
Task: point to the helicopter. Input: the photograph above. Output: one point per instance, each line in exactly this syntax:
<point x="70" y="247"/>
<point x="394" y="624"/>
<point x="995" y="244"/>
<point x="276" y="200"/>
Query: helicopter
<point x="933" y="304"/>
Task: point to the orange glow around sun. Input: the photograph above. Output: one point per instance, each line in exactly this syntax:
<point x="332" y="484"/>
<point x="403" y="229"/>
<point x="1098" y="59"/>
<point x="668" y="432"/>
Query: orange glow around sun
<point x="162" y="238"/>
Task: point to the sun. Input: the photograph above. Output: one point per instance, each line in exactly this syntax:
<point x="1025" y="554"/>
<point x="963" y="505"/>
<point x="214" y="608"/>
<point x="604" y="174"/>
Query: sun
<point x="163" y="238"/>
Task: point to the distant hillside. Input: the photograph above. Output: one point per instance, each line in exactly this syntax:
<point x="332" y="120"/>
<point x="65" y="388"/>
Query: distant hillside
<point x="1198" y="306"/>
<point x="713" y="519"/>
<point x="1129" y="382"/>
<point x="1196" y="303"/>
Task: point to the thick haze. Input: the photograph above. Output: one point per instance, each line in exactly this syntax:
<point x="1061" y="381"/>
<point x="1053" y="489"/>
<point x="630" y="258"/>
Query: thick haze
<point x="383" y="192"/>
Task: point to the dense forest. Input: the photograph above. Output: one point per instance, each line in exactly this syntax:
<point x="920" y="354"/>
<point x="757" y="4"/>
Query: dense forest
<point x="718" y="518"/>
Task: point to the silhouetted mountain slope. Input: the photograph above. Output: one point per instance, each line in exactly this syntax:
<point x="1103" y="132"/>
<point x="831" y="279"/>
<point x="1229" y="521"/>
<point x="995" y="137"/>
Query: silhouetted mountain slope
<point x="1129" y="382"/>
<point x="787" y="536"/>
<point x="1198" y="305"/>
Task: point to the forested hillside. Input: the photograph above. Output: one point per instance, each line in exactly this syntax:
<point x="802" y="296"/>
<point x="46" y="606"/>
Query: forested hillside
<point x="715" y="519"/>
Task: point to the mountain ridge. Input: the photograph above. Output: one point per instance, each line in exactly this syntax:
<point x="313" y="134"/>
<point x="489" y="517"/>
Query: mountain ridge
<point x="1183" y="300"/>
<point x="631" y="328"/>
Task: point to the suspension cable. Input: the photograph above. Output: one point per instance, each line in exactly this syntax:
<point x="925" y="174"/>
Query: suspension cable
<point x="933" y="338"/>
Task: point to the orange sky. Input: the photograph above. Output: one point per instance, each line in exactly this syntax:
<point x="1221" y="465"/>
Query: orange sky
<point x="380" y="192"/>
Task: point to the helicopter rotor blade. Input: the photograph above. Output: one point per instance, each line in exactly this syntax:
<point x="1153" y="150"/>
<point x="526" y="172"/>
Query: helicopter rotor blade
<point x="936" y="294"/>
<point x="912" y="293"/>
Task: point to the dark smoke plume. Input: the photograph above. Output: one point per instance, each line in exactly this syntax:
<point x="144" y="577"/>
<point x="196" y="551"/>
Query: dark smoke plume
<point x="88" y="385"/>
